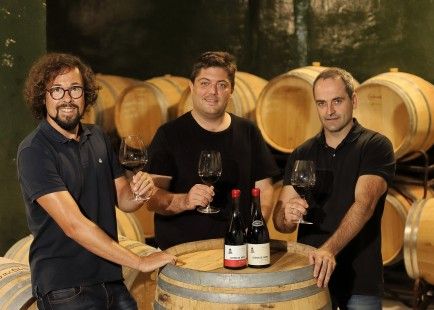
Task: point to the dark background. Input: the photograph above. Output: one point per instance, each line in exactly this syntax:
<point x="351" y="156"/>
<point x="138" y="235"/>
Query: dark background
<point x="144" y="39"/>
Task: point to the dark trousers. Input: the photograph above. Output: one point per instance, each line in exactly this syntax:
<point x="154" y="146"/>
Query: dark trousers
<point x="110" y="295"/>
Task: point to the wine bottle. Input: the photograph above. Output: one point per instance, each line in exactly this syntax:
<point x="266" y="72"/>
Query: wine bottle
<point x="258" y="239"/>
<point x="235" y="249"/>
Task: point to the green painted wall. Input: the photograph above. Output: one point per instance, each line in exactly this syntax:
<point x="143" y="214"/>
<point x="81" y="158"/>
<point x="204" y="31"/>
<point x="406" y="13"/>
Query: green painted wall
<point x="22" y="39"/>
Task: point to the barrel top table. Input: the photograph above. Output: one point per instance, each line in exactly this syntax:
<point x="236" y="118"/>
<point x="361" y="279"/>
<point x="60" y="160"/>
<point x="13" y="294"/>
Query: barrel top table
<point x="199" y="281"/>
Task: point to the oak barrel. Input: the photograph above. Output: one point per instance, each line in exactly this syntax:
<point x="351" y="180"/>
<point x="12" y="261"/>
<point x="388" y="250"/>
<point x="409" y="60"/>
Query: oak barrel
<point x="15" y="285"/>
<point x="173" y="87"/>
<point x="399" y="105"/>
<point x="141" y="285"/>
<point x="129" y="226"/>
<point x="419" y="241"/>
<point x="285" y="111"/>
<point x="398" y="202"/>
<point x="138" y="248"/>
<point x="140" y="109"/>
<point x="102" y="113"/>
<point x="146" y="221"/>
<point x="199" y="281"/>
<point x="243" y="100"/>
<point x="19" y="251"/>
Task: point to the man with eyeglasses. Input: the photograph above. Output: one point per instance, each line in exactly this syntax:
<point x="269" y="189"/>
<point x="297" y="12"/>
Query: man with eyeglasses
<point x="71" y="181"/>
<point x="174" y="157"/>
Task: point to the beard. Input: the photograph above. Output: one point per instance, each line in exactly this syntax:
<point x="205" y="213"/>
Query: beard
<point x="68" y="123"/>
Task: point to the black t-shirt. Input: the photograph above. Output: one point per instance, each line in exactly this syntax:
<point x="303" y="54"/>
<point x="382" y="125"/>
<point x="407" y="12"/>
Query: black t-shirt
<point x="175" y="151"/>
<point x="362" y="152"/>
<point x="49" y="162"/>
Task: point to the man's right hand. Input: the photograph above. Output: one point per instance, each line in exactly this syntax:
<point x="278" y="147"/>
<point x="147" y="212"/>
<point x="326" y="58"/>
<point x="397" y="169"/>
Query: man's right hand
<point x="199" y="195"/>
<point x="155" y="260"/>
<point x="294" y="210"/>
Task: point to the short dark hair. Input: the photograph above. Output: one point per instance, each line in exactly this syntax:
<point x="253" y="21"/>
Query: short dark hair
<point x="333" y="73"/>
<point x="45" y="70"/>
<point x="215" y="59"/>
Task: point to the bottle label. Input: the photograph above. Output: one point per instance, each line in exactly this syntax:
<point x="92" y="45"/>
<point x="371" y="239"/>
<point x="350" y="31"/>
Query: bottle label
<point x="257" y="223"/>
<point x="259" y="254"/>
<point x="235" y="256"/>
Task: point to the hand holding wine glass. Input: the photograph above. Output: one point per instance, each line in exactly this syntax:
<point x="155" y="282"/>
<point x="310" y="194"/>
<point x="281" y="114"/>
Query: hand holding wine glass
<point x="209" y="170"/>
<point x="133" y="156"/>
<point x="303" y="180"/>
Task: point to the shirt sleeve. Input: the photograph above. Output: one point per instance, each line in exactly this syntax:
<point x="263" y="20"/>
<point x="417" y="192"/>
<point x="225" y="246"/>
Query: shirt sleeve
<point x="37" y="172"/>
<point x="378" y="158"/>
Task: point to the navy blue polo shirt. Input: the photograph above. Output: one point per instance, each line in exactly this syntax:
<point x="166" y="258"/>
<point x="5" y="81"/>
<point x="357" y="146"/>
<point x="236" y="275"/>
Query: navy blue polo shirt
<point x="362" y="152"/>
<point x="49" y="162"/>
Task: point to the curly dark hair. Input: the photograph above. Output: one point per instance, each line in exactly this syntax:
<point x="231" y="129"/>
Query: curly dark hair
<point x="45" y="70"/>
<point x="215" y="59"/>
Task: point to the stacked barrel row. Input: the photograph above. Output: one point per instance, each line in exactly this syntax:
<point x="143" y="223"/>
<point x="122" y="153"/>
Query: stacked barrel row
<point x="395" y="103"/>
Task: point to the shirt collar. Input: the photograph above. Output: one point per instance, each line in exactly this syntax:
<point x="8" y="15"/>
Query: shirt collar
<point x="352" y="135"/>
<point x="57" y="136"/>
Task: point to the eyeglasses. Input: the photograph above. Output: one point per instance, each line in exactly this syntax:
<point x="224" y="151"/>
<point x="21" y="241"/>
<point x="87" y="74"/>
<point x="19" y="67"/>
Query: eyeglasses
<point x="58" y="92"/>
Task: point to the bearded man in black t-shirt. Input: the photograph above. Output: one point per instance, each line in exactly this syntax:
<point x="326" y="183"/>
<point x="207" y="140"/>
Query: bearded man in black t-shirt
<point x="175" y="150"/>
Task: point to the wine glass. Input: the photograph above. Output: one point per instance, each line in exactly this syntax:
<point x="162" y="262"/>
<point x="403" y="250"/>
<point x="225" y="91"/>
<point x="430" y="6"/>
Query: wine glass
<point x="133" y="156"/>
<point x="209" y="170"/>
<point x="303" y="180"/>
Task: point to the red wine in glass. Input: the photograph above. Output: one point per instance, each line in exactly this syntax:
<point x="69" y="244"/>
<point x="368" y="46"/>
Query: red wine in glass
<point x="209" y="179"/>
<point x="303" y="179"/>
<point x="209" y="170"/>
<point x="133" y="156"/>
<point x="133" y="166"/>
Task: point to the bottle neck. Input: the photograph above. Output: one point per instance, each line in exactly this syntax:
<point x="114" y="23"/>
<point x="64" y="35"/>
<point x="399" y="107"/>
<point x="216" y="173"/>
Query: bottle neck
<point x="256" y="208"/>
<point x="236" y="204"/>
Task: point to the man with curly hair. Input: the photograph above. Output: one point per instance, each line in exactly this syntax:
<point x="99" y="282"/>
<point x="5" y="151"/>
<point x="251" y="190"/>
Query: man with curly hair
<point x="71" y="182"/>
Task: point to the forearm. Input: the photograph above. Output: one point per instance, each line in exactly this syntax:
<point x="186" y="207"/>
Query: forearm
<point x="167" y="203"/>
<point x="95" y="240"/>
<point x="127" y="203"/>
<point x="369" y="189"/>
<point x="350" y="226"/>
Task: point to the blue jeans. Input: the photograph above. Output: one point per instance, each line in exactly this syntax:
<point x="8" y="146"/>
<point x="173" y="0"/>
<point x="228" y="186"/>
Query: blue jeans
<point x="359" y="302"/>
<point x="110" y="295"/>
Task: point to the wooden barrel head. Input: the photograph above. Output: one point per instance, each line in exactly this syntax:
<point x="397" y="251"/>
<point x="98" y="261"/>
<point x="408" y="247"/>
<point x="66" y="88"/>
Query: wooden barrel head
<point x="140" y="110"/>
<point x="400" y="106"/>
<point x="172" y="87"/>
<point x="129" y="226"/>
<point x="419" y="241"/>
<point x="199" y="281"/>
<point x="285" y="112"/>
<point x="102" y="113"/>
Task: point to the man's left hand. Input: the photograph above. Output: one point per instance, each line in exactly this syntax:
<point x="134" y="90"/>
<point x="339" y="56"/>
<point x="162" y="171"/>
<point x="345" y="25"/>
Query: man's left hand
<point x="324" y="264"/>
